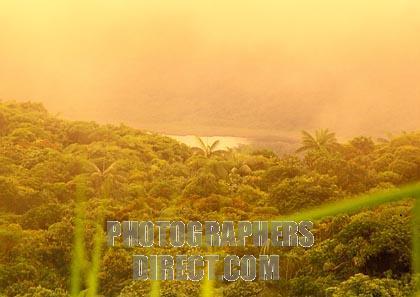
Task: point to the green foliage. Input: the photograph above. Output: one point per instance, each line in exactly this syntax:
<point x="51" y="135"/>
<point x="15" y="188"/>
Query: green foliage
<point x="243" y="289"/>
<point x="166" y="289"/>
<point x="304" y="191"/>
<point x="43" y="292"/>
<point x="361" y="249"/>
<point x="43" y="216"/>
<point x="203" y="185"/>
<point x="363" y="286"/>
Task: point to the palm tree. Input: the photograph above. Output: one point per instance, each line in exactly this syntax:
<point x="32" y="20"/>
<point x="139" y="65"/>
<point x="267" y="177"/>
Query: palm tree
<point x="323" y="140"/>
<point x="103" y="176"/>
<point x="206" y="149"/>
<point x="104" y="171"/>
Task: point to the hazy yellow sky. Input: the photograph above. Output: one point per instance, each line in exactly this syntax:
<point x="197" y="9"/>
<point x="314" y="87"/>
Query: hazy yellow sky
<point x="212" y="67"/>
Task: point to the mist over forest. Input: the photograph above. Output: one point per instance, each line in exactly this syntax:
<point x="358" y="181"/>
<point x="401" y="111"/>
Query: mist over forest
<point x="214" y="68"/>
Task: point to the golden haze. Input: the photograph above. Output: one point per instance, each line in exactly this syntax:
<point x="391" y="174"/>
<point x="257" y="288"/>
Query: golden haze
<point x="218" y="67"/>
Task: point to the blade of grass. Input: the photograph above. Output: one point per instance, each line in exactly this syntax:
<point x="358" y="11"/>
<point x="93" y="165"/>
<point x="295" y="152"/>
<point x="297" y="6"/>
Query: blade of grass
<point x="92" y="281"/>
<point x="155" y="279"/>
<point x="351" y="205"/>
<point x="98" y="239"/>
<point x="207" y="288"/>
<point x="207" y="285"/>
<point x="416" y="245"/>
<point x="155" y="288"/>
<point x="78" y="253"/>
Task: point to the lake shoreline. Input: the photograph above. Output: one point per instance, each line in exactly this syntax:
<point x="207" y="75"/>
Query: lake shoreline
<point x="276" y="144"/>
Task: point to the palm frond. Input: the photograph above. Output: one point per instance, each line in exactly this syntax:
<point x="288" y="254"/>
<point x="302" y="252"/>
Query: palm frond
<point x="214" y="145"/>
<point x="110" y="167"/>
<point x="201" y="142"/>
<point x="306" y="136"/>
<point x="322" y="140"/>
<point x="94" y="166"/>
<point x="303" y="149"/>
<point x="308" y="142"/>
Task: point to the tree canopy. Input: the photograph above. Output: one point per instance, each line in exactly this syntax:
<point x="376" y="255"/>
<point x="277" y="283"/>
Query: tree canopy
<point x="135" y="174"/>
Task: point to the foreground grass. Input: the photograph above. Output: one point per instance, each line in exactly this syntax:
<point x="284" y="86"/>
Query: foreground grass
<point x="78" y="254"/>
<point x="349" y="205"/>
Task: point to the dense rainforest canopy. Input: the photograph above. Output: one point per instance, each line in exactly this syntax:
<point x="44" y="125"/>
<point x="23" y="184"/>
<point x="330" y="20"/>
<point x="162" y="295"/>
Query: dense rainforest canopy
<point x="132" y="174"/>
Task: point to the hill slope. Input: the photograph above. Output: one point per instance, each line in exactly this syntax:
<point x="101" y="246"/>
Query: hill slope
<point x="143" y="176"/>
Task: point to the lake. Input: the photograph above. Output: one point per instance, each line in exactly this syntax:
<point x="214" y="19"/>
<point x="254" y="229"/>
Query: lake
<point x="280" y="145"/>
<point x="225" y="141"/>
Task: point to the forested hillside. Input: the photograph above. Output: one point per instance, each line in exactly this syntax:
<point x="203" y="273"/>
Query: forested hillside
<point x="131" y="174"/>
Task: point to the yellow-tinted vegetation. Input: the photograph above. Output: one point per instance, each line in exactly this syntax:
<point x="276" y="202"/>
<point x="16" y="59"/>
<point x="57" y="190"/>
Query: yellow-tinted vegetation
<point x="60" y="180"/>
